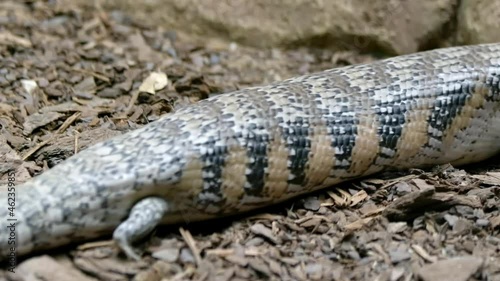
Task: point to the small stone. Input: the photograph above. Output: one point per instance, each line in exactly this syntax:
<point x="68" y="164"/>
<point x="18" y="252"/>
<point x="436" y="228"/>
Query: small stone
<point x="256" y="241"/>
<point x="29" y="85"/>
<point x="312" y="204"/>
<point x="75" y="79"/>
<point x="11" y="77"/>
<point x="214" y="59"/>
<point x="86" y="88"/>
<point x="482" y="222"/>
<point x="468" y="246"/>
<point x="462" y="226"/>
<point x="197" y="60"/>
<point x="353" y="254"/>
<point x="397" y="227"/>
<point x="168" y="255"/>
<point x="451" y="219"/>
<point x="399" y="256"/>
<point x="42" y="82"/>
<point x="55" y="21"/>
<point x="186" y="256"/>
<point x="454" y="269"/>
<point x="402" y="188"/>
<point x="465" y="211"/>
<point x="53" y="92"/>
<point x="4" y="82"/>
<point x="314" y="270"/>
<point x="109" y="93"/>
<point x="397" y="273"/>
<point x="120" y="65"/>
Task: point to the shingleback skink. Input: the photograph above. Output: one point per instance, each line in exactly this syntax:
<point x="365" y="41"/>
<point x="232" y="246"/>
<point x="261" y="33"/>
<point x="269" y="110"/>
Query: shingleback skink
<point x="257" y="146"/>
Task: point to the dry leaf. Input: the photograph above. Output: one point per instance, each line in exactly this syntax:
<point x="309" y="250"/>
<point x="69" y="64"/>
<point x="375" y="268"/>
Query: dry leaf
<point x="154" y="82"/>
<point x="29" y="85"/>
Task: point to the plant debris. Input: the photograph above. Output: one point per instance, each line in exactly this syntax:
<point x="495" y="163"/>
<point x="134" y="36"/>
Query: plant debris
<point x="72" y="77"/>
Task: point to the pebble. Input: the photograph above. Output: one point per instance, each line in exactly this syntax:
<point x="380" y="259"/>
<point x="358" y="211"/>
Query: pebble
<point x="214" y="59"/>
<point x="402" y="188"/>
<point x="397" y="273"/>
<point x="465" y="211"/>
<point x="451" y="219"/>
<point x="256" y="241"/>
<point x="109" y="93"/>
<point x="3" y="81"/>
<point x="399" y="256"/>
<point x="454" y="269"/>
<point x="397" y="227"/>
<point x="11" y="77"/>
<point x="312" y="204"/>
<point x="462" y="226"/>
<point x="482" y="222"/>
<point x="42" y="82"/>
<point x="186" y="256"/>
<point x="314" y="270"/>
<point x="168" y="255"/>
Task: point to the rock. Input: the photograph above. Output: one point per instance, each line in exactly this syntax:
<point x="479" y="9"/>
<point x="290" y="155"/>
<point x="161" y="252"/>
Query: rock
<point x="168" y="255"/>
<point x="397" y="227"/>
<point x="478" y="21"/>
<point x="462" y="226"/>
<point x="397" y="273"/>
<point x="314" y="271"/>
<point x="402" y="188"/>
<point x="186" y="256"/>
<point x="482" y="222"/>
<point x="454" y="269"/>
<point x="399" y="256"/>
<point x="312" y="203"/>
<point x="388" y="26"/>
<point x="47" y="268"/>
<point x="451" y="219"/>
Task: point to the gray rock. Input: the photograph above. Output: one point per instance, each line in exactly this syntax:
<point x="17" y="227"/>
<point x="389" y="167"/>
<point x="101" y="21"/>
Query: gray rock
<point x="478" y="22"/>
<point x="454" y="269"/>
<point x="394" y="27"/>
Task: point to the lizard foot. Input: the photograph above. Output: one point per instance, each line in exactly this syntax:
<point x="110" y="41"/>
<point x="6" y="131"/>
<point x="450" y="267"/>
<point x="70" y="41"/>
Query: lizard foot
<point x="143" y="218"/>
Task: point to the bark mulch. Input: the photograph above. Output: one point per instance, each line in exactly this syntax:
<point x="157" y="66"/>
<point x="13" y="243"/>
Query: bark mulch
<point x="70" y="78"/>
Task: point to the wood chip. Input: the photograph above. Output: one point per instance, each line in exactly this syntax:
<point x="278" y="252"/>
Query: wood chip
<point x="38" y="120"/>
<point x="191" y="244"/>
<point x="423" y="253"/>
<point x="260" y="229"/>
<point x="7" y="38"/>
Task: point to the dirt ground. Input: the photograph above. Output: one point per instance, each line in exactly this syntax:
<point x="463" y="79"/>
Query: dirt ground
<point x="70" y="78"/>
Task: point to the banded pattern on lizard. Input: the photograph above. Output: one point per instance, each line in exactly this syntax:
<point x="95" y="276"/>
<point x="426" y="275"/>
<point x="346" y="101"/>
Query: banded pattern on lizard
<point x="254" y="147"/>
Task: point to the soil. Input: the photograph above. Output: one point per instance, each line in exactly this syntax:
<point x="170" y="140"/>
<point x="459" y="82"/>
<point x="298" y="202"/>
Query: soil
<point x="70" y="78"/>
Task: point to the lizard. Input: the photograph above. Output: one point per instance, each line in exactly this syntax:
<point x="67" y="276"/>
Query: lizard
<point x="261" y="145"/>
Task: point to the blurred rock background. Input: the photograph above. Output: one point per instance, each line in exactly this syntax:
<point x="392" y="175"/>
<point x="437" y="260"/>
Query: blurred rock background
<point x="388" y="26"/>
